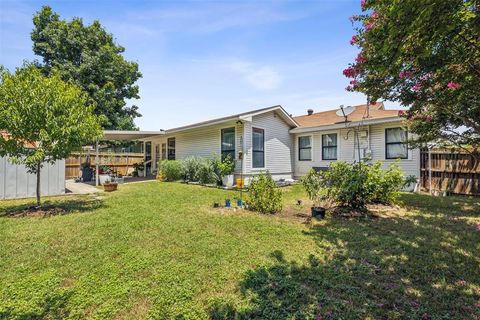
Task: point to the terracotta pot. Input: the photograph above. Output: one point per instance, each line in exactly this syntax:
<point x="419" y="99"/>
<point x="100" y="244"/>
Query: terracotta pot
<point x="110" y="187"/>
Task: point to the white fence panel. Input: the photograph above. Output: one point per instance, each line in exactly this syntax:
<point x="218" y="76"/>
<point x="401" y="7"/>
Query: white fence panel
<point x="16" y="182"/>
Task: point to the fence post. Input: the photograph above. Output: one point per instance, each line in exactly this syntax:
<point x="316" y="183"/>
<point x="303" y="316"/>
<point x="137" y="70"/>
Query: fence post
<point x="430" y="170"/>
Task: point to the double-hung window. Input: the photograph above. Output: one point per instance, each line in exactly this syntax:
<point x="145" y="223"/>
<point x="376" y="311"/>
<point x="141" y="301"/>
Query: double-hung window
<point x="228" y="143"/>
<point x="171" y="148"/>
<point x="258" y="148"/>
<point x="329" y="146"/>
<point x="305" y="148"/>
<point x="396" y="143"/>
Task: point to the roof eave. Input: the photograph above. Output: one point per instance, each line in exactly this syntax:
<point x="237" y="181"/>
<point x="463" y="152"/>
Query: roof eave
<point x="346" y="124"/>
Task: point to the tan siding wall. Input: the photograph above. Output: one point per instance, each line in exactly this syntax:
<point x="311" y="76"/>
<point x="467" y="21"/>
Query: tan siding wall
<point x="347" y="151"/>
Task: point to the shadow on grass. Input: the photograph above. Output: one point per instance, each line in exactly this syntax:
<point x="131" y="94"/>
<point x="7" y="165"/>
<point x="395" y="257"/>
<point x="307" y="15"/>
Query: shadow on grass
<point x="417" y="267"/>
<point x="52" y="208"/>
<point x="453" y="205"/>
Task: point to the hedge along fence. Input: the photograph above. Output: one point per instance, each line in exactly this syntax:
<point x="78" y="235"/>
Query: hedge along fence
<point x="122" y="163"/>
<point x="455" y="171"/>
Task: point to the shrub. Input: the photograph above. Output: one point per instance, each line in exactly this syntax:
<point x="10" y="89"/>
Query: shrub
<point x="356" y="185"/>
<point x="348" y="184"/>
<point x="170" y="170"/>
<point x="263" y="194"/>
<point x="316" y="190"/>
<point x="388" y="183"/>
<point x="191" y="168"/>
<point x="206" y="171"/>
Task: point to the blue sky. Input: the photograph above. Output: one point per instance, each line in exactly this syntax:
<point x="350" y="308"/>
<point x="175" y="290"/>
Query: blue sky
<point x="205" y="59"/>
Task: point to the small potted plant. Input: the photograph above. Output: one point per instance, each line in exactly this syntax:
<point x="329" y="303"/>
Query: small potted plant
<point x="139" y="168"/>
<point x="110" y="186"/>
<point x="317" y="192"/>
<point x="226" y="168"/>
<point x="104" y="173"/>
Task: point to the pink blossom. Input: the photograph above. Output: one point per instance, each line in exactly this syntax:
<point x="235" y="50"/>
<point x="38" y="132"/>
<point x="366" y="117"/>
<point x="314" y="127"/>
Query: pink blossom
<point x="374" y="15"/>
<point x="353" y="82"/>
<point x="369" y="25"/>
<point x="405" y="74"/>
<point x="350" y="88"/>
<point x="363" y="4"/>
<point x="401" y="113"/>
<point x="353" y="40"/>
<point x="477" y="226"/>
<point x="417" y="87"/>
<point x="360" y="58"/>
<point x="428" y="118"/>
<point x="350" y="72"/>
<point x="453" y="85"/>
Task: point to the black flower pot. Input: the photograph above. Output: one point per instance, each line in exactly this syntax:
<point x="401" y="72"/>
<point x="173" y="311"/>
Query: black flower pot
<point x="318" y="212"/>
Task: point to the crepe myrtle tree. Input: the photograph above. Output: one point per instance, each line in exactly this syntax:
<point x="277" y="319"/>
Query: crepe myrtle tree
<point x="425" y="55"/>
<point x="43" y="119"/>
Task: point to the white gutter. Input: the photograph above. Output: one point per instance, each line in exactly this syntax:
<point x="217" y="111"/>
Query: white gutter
<point x="346" y="124"/>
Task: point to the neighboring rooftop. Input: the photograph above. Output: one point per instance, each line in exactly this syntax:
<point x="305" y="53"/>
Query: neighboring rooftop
<point x="376" y="111"/>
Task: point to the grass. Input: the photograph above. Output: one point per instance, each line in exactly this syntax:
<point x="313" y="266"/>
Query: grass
<point x="158" y="250"/>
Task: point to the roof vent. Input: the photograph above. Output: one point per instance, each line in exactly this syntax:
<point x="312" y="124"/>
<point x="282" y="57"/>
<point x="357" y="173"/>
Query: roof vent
<point x="310" y="112"/>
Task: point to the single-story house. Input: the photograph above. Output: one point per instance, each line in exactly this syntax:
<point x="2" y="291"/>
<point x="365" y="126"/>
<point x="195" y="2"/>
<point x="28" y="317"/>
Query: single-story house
<point x="270" y="139"/>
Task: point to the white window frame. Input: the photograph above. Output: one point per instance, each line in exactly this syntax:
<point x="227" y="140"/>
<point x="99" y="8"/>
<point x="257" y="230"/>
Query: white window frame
<point x="235" y="141"/>
<point x="409" y="151"/>
<point x="312" y="155"/>
<point x="321" y="145"/>
<point x="264" y="149"/>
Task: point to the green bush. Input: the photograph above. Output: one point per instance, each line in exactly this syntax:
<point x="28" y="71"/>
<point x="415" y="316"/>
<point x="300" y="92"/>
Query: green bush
<point x="387" y="183"/>
<point x="206" y="171"/>
<point x="263" y="194"/>
<point x="191" y="168"/>
<point x="316" y="190"/>
<point x="356" y="185"/>
<point x="170" y="170"/>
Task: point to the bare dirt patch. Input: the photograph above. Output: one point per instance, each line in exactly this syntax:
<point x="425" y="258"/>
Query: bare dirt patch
<point x="41" y="212"/>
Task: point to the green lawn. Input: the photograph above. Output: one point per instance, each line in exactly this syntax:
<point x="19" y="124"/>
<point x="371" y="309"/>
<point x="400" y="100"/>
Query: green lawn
<point x="158" y="250"/>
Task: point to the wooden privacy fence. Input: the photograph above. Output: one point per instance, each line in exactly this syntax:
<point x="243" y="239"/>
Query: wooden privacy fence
<point x="455" y="171"/>
<point x="122" y="163"/>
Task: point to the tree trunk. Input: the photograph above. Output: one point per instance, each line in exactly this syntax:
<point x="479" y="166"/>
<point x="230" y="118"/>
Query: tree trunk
<point x="39" y="166"/>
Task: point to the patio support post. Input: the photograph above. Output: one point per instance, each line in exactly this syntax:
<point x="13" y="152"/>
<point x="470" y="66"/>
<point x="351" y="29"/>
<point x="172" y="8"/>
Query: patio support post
<point x="96" y="163"/>
<point x="144" y="158"/>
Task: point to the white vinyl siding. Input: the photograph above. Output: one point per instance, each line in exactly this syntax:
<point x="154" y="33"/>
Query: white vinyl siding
<point x="16" y="182"/>
<point x="373" y="140"/>
<point x="203" y="142"/>
<point x="278" y="145"/>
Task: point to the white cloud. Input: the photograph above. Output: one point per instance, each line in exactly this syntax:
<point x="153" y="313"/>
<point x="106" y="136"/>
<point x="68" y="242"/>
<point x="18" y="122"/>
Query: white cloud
<point x="260" y="77"/>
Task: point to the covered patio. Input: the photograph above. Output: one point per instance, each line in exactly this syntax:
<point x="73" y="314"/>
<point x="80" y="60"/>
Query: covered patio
<point x="120" y="135"/>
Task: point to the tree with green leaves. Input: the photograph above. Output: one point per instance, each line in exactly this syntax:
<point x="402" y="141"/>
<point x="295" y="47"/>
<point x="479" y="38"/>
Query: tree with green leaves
<point x="425" y="55"/>
<point x="43" y="119"/>
<point x="88" y="56"/>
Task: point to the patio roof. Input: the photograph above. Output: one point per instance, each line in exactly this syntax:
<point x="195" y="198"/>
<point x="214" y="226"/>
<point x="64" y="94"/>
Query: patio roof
<point x="121" y="135"/>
